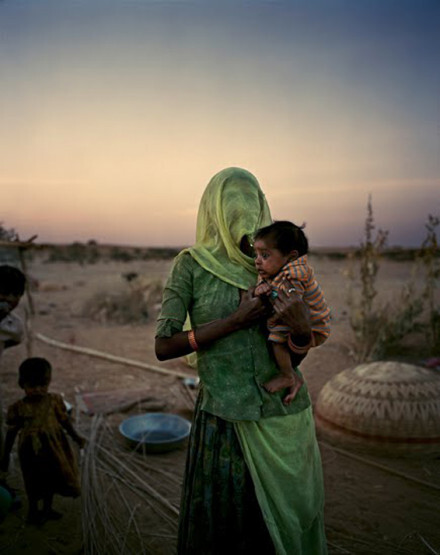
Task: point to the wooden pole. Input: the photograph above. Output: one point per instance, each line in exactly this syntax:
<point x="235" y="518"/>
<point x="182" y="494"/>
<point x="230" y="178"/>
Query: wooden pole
<point x="110" y="357"/>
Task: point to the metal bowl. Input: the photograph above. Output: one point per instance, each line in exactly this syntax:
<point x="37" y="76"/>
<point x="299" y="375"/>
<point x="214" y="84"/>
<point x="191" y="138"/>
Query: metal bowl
<point x="155" y="431"/>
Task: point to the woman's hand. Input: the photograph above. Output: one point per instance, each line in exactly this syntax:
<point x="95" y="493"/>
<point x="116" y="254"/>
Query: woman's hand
<point x="248" y="312"/>
<point x="294" y="313"/>
<point x="250" y="309"/>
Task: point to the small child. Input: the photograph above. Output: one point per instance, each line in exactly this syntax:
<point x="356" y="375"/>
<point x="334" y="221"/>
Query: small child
<point x="47" y="461"/>
<point x="281" y="261"/>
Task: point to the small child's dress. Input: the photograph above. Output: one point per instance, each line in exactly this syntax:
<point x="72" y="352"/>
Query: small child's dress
<point x="299" y="275"/>
<point x="47" y="460"/>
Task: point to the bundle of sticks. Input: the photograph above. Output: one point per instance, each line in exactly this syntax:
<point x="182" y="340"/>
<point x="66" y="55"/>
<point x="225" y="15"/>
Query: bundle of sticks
<point x="129" y="502"/>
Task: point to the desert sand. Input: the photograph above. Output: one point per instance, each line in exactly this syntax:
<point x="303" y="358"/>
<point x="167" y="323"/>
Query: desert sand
<point x="369" y="510"/>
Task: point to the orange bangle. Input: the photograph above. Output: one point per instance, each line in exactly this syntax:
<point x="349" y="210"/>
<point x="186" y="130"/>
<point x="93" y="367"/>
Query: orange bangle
<point x="300" y="350"/>
<point x="192" y="340"/>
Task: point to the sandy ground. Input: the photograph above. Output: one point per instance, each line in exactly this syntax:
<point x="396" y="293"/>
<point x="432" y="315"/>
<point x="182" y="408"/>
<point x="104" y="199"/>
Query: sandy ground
<point x="369" y="510"/>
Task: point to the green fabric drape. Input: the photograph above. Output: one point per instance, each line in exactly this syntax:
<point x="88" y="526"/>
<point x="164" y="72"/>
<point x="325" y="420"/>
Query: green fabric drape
<point x="283" y="458"/>
<point x="232" y="206"/>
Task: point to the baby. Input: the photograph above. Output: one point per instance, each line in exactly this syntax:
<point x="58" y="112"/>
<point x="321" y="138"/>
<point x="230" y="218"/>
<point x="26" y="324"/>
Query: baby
<point x="48" y="463"/>
<point x="281" y="261"/>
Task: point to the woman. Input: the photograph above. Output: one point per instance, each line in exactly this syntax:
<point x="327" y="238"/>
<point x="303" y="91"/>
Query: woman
<point x="253" y="478"/>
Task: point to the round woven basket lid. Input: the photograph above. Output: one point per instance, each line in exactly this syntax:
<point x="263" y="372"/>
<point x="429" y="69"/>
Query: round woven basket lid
<point x="384" y="404"/>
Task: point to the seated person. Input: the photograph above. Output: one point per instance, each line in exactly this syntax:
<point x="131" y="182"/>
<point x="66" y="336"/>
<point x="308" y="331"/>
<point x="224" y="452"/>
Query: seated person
<point x="12" y="286"/>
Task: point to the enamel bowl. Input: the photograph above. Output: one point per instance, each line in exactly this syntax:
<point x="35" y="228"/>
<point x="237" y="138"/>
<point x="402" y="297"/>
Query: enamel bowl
<point x="155" y="431"/>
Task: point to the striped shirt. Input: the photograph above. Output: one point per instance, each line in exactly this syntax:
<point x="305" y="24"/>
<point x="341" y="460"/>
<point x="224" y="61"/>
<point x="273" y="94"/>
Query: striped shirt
<point x="299" y="275"/>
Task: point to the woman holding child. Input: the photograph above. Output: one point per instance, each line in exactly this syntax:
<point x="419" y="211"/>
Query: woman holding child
<point x="253" y="478"/>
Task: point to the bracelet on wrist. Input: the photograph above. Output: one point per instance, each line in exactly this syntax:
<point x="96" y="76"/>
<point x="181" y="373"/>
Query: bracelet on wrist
<point x="192" y="340"/>
<point x="299" y="349"/>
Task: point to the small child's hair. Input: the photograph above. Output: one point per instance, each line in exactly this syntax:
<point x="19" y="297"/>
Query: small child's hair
<point x="12" y="280"/>
<point x="286" y="237"/>
<point x="34" y="372"/>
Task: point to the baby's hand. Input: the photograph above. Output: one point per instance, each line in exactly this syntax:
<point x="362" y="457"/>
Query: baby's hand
<point x="262" y="289"/>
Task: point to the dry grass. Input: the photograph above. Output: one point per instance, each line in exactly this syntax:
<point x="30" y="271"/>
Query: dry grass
<point x="429" y="256"/>
<point x="379" y="327"/>
<point x="121" y="491"/>
<point x="135" y="302"/>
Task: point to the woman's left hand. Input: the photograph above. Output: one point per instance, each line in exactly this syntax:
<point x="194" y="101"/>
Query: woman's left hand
<point x="291" y="309"/>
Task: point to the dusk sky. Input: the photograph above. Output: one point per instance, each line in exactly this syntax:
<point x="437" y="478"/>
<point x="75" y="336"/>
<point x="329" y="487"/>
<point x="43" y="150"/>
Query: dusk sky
<point x="116" y="113"/>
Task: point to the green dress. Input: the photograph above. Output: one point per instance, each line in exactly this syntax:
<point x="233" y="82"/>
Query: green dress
<point x="251" y="459"/>
<point x="253" y="479"/>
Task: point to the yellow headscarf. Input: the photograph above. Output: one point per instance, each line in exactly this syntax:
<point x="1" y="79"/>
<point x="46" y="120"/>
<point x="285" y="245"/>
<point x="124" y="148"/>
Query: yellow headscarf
<point x="232" y="206"/>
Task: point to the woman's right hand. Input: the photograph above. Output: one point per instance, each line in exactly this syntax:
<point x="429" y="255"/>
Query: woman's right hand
<point x="250" y="309"/>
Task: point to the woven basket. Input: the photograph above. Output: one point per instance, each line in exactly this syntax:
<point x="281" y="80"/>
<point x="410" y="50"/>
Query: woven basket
<point x="391" y="406"/>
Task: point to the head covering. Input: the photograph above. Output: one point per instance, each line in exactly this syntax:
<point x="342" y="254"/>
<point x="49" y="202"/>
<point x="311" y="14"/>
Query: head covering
<point x="232" y="206"/>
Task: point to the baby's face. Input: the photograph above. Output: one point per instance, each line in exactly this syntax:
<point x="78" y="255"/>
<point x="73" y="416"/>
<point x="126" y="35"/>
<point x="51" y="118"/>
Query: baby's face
<point x="269" y="260"/>
<point x="7" y="304"/>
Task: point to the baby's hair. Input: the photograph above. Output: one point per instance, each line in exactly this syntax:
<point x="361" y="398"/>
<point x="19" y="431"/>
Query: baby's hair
<point x="286" y="237"/>
<point x="34" y="372"/>
<point x="12" y="280"/>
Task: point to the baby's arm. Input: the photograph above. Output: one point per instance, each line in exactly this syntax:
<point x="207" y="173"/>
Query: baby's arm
<point x="64" y="420"/>
<point x="262" y="289"/>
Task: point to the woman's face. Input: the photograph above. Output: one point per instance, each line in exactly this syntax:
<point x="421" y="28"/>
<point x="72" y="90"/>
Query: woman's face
<point x="241" y="211"/>
<point x="246" y="247"/>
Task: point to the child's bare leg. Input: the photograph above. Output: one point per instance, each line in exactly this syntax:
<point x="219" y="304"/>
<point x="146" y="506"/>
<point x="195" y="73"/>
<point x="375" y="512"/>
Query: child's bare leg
<point x="286" y="377"/>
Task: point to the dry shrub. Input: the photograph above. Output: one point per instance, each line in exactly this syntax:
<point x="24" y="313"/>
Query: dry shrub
<point x="50" y="287"/>
<point x="150" y="289"/>
<point x="8" y="255"/>
<point x="135" y="303"/>
<point x="430" y="259"/>
<point x="379" y="326"/>
<point x="81" y="253"/>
